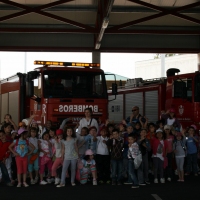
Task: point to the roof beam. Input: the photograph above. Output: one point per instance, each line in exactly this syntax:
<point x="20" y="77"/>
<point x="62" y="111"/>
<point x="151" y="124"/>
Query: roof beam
<point x="38" y="10"/>
<point x="163" y="12"/>
<point x="96" y="31"/>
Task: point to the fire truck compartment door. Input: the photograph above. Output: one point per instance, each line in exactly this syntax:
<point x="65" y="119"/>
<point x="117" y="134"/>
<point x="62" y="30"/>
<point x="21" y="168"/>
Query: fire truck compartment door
<point x="151" y="105"/>
<point x="115" y="108"/>
<point x="131" y="100"/>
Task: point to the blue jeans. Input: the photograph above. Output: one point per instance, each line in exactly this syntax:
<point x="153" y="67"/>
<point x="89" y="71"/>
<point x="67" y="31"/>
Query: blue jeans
<point x="192" y="163"/>
<point x="116" y="166"/>
<point x="132" y="172"/>
<point x="4" y="172"/>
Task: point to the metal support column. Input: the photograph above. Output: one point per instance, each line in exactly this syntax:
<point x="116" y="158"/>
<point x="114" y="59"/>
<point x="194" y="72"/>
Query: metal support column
<point x="96" y="57"/>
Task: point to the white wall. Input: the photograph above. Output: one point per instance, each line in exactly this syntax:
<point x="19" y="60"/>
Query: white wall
<point x="148" y="69"/>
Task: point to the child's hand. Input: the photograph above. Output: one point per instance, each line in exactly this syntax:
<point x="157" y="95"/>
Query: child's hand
<point x="16" y="154"/>
<point x="144" y="145"/>
<point x="123" y="121"/>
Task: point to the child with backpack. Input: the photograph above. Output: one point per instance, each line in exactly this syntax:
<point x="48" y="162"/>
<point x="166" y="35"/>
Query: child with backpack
<point x="179" y="149"/>
<point x="20" y="149"/>
<point x="133" y="152"/>
<point x="88" y="167"/>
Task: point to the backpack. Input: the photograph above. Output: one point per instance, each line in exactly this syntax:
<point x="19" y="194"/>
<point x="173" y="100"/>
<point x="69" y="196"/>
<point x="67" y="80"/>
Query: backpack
<point x="18" y="148"/>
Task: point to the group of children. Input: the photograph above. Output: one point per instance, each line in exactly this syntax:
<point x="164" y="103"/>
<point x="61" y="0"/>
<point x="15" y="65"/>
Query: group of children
<point x="117" y="154"/>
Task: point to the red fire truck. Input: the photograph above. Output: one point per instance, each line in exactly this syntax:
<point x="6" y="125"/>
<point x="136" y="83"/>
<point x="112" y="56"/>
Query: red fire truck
<point x="181" y="92"/>
<point x="55" y="91"/>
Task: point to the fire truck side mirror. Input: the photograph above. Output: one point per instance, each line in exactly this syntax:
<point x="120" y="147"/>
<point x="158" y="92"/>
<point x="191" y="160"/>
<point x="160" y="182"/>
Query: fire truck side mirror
<point x="114" y="88"/>
<point x="29" y="88"/>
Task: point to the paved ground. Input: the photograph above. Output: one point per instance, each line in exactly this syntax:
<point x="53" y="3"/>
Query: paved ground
<point x="189" y="190"/>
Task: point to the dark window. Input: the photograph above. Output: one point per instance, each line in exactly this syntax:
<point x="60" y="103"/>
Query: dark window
<point x="183" y="88"/>
<point x="63" y="84"/>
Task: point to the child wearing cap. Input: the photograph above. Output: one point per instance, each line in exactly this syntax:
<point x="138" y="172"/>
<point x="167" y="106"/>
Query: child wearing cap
<point x="21" y="152"/>
<point x="179" y="149"/>
<point x="58" y="155"/>
<point x="88" y="167"/>
<point x="159" y="150"/>
<point x="45" y="156"/>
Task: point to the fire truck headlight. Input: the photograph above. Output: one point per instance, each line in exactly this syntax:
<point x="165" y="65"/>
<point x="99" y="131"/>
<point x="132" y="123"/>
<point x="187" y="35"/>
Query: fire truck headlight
<point x="55" y="109"/>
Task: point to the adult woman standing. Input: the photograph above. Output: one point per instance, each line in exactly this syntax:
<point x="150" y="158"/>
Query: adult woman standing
<point x="88" y="121"/>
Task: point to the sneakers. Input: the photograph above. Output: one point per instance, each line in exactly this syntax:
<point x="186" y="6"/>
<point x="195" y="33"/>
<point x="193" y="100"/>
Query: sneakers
<point x="43" y="182"/>
<point x="169" y="179"/>
<point x="19" y="185"/>
<point x="135" y="186"/>
<point x="108" y="182"/>
<point x="113" y="182"/>
<point x="142" y="184"/>
<point x="49" y="180"/>
<point x="186" y="174"/>
<point x="94" y="182"/>
<point x="36" y="179"/>
<point x="57" y="181"/>
<point x="9" y="184"/>
<point x="52" y="180"/>
<point x="162" y="180"/>
<point x="127" y="183"/>
<point x="32" y="182"/>
<point x="147" y="182"/>
<point x="73" y="184"/>
<point x="25" y="184"/>
<point x="119" y="183"/>
<point x="155" y="180"/>
<point x="58" y="186"/>
<point x="101" y="182"/>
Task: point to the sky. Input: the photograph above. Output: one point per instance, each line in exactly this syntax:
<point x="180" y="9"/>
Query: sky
<point x="119" y="63"/>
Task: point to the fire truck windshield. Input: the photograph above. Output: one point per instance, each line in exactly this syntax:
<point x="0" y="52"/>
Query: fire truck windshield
<point x="64" y="84"/>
